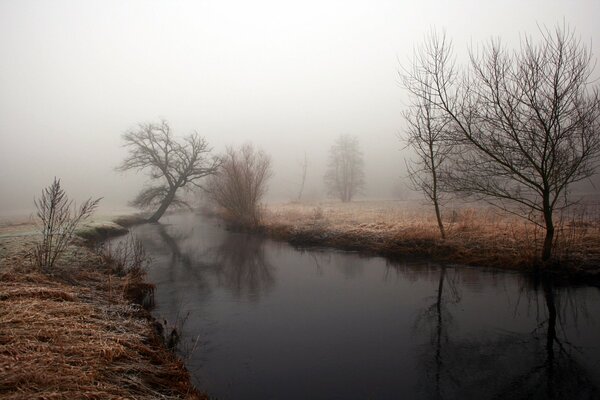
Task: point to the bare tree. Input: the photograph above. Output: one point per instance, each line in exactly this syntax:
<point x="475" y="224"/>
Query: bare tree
<point x="426" y="135"/>
<point x="175" y="164"/>
<point x="345" y="175"/>
<point x="526" y="123"/>
<point x="304" y="166"/>
<point x="241" y="183"/>
<point x="58" y="219"/>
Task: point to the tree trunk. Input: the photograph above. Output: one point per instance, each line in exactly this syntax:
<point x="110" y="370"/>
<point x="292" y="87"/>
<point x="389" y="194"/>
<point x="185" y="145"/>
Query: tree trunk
<point x="436" y="205"/>
<point x="435" y="197"/>
<point x="549" y="239"/>
<point x="163" y="206"/>
<point x="438" y="215"/>
<point x="304" y="166"/>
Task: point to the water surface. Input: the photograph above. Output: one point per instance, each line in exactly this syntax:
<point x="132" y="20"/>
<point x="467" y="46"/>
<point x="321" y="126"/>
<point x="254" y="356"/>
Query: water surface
<point x="264" y="320"/>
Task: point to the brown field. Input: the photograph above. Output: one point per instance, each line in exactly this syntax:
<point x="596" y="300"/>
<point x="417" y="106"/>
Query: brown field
<point x="75" y="333"/>
<point x="476" y="235"/>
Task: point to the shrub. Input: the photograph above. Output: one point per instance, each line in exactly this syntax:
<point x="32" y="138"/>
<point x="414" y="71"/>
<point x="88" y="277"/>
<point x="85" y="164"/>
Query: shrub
<point x="58" y="218"/>
<point x="240" y="184"/>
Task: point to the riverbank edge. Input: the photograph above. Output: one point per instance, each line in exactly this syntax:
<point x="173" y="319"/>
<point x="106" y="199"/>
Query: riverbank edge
<point x="179" y="385"/>
<point x="450" y="250"/>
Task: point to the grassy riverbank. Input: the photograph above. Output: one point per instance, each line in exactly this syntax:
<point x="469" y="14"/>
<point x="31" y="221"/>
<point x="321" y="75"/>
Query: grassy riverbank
<point x="475" y="236"/>
<point x="77" y="333"/>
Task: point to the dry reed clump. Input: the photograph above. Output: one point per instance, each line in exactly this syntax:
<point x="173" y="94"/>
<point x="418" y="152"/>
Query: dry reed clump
<point x="75" y="335"/>
<point x="475" y="235"/>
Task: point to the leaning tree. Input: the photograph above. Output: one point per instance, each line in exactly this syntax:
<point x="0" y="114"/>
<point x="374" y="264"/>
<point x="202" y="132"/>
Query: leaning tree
<point x="173" y="164"/>
<point x="525" y="124"/>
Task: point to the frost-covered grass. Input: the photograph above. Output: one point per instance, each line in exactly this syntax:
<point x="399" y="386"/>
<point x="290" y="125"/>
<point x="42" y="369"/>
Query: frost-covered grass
<point x="475" y="234"/>
<point x="76" y="333"/>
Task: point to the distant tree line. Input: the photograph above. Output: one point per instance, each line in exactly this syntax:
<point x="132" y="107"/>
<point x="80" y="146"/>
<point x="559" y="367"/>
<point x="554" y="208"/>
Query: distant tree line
<point x="236" y="181"/>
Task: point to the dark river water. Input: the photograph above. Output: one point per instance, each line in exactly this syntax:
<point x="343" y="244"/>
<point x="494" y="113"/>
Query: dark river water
<point x="264" y="320"/>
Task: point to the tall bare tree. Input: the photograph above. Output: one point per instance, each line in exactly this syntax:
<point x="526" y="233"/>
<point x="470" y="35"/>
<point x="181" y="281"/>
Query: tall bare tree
<point x="241" y="183"/>
<point x="525" y="123"/>
<point x="345" y="175"/>
<point x="173" y="163"/>
<point x="427" y="136"/>
<point x="304" y="166"/>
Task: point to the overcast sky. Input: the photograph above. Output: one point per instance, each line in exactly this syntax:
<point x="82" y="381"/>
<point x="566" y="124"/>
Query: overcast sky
<point x="287" y="76"/>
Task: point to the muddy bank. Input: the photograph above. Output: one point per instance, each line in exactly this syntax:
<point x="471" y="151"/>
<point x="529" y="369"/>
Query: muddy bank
<point x="78" y="332"/>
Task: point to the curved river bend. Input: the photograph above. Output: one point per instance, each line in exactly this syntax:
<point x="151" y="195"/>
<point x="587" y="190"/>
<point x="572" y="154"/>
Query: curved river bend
<point x="269" y="321"/>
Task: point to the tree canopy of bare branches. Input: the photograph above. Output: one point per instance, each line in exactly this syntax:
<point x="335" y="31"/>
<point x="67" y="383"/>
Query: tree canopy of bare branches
<point x="172" y="163"/>
<point x="525" y="124"/>
<point x="241" y="183"/>
<point x="427" y="136"/>
<point x="345" y="175"/>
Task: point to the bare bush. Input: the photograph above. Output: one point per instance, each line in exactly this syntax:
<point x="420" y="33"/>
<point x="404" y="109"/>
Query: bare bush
<point x="240" y="184"/>
<point x="58" y="219"/>
<point x="127" y="257"/>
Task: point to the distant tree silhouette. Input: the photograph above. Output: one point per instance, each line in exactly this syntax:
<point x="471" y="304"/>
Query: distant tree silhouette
<point x="345" y="175"/>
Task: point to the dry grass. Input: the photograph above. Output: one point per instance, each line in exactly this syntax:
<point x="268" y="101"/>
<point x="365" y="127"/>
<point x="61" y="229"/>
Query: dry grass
<point x="476" y="235"/>
<point x="74" y="334"/>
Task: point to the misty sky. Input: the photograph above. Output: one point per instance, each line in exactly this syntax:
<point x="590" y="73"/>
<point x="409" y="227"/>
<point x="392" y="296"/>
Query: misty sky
<point x="287" y="76"/>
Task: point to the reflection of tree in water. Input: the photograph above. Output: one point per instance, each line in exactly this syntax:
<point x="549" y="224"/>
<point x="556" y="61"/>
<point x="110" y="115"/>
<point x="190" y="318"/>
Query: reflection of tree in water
<point x="238" y="261"/>
<point x="242" y="267"/>
<point x="349" y="264"/>
<point x="437" y="318"/>
<point x="555" y="371"/>
<point x="540" y="365"/>
<point x="191" y="266"/>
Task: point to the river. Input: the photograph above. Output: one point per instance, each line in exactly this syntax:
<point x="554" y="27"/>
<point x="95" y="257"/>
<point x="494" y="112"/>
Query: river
<point x="264" y="320"/>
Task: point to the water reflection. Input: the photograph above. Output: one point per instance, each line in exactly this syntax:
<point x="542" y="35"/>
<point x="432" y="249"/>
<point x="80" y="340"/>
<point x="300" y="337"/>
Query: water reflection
<point x="276" y="322"/>
<point x="238" y="261"/>
<point x="556" y="372"/>
<point x="175" y="260"/>
<point x="241" y="266"/>
<point x="542" y="364"/>
<point x="437" y="319"/>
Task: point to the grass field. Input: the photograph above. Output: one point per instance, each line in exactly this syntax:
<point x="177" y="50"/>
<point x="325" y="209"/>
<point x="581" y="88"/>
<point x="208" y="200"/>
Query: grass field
<point x="75" y="333"/>
<point x="475" y="235"/>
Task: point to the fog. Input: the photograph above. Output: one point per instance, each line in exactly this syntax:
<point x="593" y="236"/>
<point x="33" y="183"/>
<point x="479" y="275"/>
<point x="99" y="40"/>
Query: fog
<point x="287" y="76"/>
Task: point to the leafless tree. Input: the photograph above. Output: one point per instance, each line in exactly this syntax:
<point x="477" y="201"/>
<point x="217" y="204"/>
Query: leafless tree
<point x="525" y="123"/>
<point x="345" y="175"/>
<point x="427" y="136"/>
<point x="240" y="184"/>
<point x="304" y="166"/>
<point x="58" y="219"/>
<point x="175" y="164"/>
